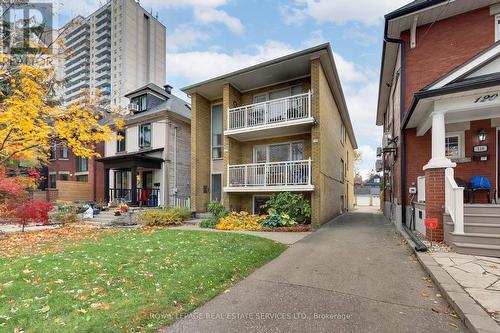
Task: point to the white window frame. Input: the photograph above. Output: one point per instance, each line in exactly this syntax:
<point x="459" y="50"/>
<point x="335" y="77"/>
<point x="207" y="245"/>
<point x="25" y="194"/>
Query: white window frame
<point x="151" y="136"/>
<point x="461" y="144"/>
<point x="290" y="143"/>
<point x="342" y="134"/>
<point x="65" y="148"/>
<point x="211" y="134"/>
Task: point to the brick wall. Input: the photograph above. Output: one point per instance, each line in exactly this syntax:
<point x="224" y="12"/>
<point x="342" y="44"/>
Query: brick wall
<point x="444" y="46"/>
<point x="434" y="196"/>
<point x="200" y="152"/>
<point x="419" y="153"/>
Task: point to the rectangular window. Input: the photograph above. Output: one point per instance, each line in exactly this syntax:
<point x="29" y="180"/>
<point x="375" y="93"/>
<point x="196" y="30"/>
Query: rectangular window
<point x="82" y="164"/>
<point x="145" y="136"/>
<point x="141" y="102"/>
<point x="52" y="180"/>
<point x="53" y="152"/>
<point x="452" y="144"/>
<point x="82" y="178"/>
<point x="342" y="134"/>
<point x="63" y="152"/>
<point x="217" y="135"/>
<point x="342" y="170"/>
<point x="64" y="176"/>
<point x="258" y="202"/>
<point x="290" y="151"/>
<point x="120" y="141"/>
<point x="216" y="187"/>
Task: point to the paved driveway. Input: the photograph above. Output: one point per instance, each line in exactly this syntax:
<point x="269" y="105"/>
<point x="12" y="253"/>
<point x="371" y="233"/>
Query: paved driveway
<point x="353" y="275"/>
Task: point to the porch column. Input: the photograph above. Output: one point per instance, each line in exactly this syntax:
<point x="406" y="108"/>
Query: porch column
<point x="435" y="176"/>
<point x="439" y="159"/>
<point x="133" y="175"/>
<point x="106" y="185"/>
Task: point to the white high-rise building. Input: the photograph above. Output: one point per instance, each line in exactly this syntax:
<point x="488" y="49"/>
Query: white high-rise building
<point x="116" y="49"/>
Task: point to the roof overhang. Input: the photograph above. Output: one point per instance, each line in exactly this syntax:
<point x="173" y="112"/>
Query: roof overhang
<point x="127" y="161"/>
<point x="398" y="21"/>
<point x="462" y="102"/>
<point x="293" y="66"/>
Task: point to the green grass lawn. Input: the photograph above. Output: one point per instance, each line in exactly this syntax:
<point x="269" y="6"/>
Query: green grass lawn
<point x="124" y="281"/>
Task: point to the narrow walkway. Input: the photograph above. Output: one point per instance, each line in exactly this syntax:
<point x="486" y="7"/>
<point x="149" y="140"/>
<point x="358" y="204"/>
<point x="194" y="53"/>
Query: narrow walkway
<point x="353" y="275"/>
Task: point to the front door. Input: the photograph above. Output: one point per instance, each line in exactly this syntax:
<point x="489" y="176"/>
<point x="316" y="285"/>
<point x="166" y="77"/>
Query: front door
<point x="122" y="190"/>
<point x="147" y="180"/>
<point x="217" y="187"/>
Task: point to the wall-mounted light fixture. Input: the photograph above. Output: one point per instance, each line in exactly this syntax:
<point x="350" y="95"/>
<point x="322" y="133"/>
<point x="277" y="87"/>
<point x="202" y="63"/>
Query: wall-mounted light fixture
<point x="481" y="135"/>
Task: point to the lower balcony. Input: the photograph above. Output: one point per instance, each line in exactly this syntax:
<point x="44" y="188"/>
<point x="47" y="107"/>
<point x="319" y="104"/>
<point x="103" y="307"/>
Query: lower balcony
<point x="292" y="176"/>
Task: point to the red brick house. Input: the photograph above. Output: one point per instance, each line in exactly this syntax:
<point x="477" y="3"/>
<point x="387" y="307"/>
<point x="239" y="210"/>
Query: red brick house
<point x="439" y="105"/>
<point x="73" y="177"/>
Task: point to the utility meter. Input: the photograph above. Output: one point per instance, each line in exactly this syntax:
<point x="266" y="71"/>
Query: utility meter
<point x="412" y="190"/>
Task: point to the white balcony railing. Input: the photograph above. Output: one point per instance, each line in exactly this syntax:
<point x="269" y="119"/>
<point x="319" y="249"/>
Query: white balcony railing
<point x="272" y="112"/>
<point x="454" y="201"/>
<point x="289" y="173"/>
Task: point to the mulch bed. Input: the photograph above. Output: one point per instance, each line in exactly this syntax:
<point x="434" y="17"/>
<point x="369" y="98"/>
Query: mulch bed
<point x="298" y="228"/>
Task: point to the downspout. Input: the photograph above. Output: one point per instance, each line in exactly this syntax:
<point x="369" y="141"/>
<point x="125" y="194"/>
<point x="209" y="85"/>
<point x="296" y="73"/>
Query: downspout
<point x="175" y="159"/>
<point x="419" y="246"/>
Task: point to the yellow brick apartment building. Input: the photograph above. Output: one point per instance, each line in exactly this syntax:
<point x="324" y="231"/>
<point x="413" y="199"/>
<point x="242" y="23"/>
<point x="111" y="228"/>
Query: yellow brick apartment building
<point x="282" y="125"/>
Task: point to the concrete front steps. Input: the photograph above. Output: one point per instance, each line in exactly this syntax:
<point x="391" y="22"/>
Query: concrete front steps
<point x="481" y="231"/>
<point x="108" y="218"/>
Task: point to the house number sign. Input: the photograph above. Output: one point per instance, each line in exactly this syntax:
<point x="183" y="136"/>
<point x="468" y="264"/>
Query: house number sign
<point x="486" y="98"/>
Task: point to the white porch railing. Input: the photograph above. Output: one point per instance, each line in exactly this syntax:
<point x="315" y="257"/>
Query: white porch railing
<point x="421" y="189"/>
<point x="272" y="112"/>
<point x="289" y="173"/>
<point x="454" y="200"/>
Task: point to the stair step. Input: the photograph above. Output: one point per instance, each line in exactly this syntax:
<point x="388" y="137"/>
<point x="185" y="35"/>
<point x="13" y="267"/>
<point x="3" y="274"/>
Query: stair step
<point x="482" y="209"/>
<point x="482" y="218"/>
<point x="476" y="228"/>
<point x="477" y="249"/>
<point x="203" y="216"/>
<point x="476" y="238"/>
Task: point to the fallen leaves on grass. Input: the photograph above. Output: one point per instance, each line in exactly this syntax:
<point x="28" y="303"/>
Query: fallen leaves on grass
<point x="46" y="241"/>
<point x="100" y="306"/>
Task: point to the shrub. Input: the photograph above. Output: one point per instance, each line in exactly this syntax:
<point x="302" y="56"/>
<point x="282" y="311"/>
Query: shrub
<point x="160" y="217"/>
<point x="209" y="223"/>
<point x="277" y="221"/>
<point x="292" y="206"/>
<point x="184" y="213"/>
<point x="67" y="212"/>
<point x="34" y="211"/>
<point x="240" y="221"/>
<point x="217" y="209"/>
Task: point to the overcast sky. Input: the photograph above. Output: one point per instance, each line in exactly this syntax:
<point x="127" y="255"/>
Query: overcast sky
<point x="206" y="38"/>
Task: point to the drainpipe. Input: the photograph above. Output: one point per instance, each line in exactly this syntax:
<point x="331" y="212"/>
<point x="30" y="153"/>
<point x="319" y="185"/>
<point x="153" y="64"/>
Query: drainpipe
<point x="175" y="159"/>
<point x="419" y="246"/>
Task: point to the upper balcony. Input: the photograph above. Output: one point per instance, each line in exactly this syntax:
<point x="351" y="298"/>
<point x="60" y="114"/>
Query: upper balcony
<point x="278" y="117"/>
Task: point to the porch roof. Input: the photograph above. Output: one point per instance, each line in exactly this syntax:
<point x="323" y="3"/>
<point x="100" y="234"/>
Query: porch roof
<point x="127" y="161"/>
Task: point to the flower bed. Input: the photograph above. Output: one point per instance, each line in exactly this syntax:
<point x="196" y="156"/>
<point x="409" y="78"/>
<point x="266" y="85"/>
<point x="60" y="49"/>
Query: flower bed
<point x="240" y="221"/>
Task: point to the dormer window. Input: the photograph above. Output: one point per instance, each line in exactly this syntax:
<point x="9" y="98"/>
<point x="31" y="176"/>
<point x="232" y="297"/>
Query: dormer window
<point x="141" y="102"/>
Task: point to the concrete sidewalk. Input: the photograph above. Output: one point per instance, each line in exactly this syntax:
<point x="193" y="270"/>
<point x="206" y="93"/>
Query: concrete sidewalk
<point x="353" y="275"/>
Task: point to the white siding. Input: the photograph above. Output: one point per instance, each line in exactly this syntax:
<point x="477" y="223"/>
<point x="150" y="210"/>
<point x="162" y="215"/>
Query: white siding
<point x="110" y="146"/>
<point x="158" y="132"/>
<point x="132" y="139"/>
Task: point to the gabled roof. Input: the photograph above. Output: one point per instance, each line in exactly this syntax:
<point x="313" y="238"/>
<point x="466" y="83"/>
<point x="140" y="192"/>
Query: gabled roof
<point x="149" y="87"/>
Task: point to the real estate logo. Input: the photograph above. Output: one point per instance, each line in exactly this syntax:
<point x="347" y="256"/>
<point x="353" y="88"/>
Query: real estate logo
<point x="26" y="26"/>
